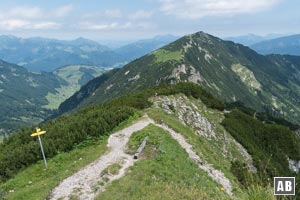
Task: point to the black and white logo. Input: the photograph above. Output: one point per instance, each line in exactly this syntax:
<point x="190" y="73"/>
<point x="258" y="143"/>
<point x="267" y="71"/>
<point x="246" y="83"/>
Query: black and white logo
<point x="284" y="185"/>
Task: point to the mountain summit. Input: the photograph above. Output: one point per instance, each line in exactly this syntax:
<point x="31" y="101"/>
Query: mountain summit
<point x="230" y="71"/>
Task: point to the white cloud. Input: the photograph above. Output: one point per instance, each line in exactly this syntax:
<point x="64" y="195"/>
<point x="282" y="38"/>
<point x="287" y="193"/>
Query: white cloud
<point x="114" y="26"/>
<point x="23" y="12"/>
<point x="111" y="13"/>
<point x="12" y="24"/>
<point x="195" y="9"/>
<point x="27" y="12"/>
<point x="115" y="13"/>
<point x="62" y="11"/>
<point x="26" y="18"/>
<point x="45" y="25"/>
<point x="18" y="24"/>
<point x="141" y="14"/>
<point x="106" y="26"/>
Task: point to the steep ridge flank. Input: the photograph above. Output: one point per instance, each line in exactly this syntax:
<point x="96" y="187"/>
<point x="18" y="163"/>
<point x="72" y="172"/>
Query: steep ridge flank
<point x="216" y="175"/>
<point x="217" y="137"/>
<point x="85" y="91"/>
<point x="230" y="71"/>
<point x="23" y="96"/>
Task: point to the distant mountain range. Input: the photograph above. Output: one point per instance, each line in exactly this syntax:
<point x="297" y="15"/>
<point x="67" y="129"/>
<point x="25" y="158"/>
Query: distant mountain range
<point x="270" y="44"/>
<point x="251" y="39"/>
<point x="230" y="71"/>
<point x="42" y="54"/>
<point x="283" y="45"/>
<point x="29" y="97"/>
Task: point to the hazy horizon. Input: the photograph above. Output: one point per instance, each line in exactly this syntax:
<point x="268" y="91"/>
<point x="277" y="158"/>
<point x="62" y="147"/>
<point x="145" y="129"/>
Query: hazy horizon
<point x="128" y="41"/>
<point x="135" y="20"/>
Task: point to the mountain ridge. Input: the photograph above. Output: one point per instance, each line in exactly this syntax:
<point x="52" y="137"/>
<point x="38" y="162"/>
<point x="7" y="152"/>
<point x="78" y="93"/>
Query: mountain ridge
<point x="230" y="71"/>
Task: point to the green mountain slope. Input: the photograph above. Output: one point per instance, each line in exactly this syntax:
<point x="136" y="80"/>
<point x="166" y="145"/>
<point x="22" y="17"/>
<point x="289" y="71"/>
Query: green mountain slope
<point x="23" y="95"/>
<point x="230" y="71"/>
<point x="86" y="91"/>
<point x="75" y="76"/>
<point x="165" y="169"/>
<point x="27" y="98"/>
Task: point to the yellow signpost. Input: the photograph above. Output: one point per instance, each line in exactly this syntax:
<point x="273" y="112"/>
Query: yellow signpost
<point x="38" y="133"/>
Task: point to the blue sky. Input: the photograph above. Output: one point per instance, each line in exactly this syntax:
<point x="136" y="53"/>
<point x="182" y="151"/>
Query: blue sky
<point x="137" y="19"/>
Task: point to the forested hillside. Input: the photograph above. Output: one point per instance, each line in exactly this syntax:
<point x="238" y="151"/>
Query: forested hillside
<point x="27" y="98"/>
<point x="267" y="143"/>
<point x="23" y="95"/>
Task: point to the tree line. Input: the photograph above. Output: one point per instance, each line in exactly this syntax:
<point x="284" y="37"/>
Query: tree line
<point x="65" y="132"/>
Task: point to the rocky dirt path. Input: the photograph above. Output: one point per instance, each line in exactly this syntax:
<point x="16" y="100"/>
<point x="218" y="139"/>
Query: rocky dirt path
<point x="89" y="181"/>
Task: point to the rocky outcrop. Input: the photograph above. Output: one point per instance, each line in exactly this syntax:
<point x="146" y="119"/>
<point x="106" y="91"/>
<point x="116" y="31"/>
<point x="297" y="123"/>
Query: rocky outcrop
<point x="294" y="165"/>
<point x="186" y="73"/>
<point x="187" y="115"/>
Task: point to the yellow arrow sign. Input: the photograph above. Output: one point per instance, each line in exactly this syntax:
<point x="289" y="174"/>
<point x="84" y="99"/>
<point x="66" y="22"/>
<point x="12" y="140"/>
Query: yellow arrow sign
<point x="38" y="132"/>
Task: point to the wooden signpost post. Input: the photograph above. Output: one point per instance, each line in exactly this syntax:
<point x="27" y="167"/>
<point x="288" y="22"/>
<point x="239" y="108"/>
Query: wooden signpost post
<point x="38" y="133"/>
